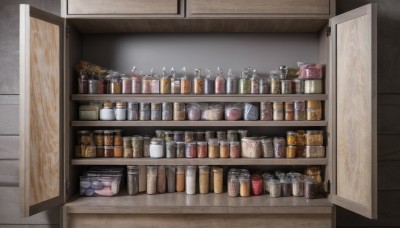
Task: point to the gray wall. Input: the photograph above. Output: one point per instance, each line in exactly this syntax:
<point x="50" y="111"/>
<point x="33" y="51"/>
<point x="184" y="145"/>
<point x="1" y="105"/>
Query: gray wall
<point x="388" y="113"/>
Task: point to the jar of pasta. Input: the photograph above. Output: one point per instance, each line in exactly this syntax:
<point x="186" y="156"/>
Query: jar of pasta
<point x="204" y="179"/>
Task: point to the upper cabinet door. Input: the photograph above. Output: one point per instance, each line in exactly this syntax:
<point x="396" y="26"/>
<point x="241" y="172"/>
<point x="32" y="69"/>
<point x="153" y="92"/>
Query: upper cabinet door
<point x="41" y="112"/>
<point x="257" y="8"/>
<point x="353" y="96"/>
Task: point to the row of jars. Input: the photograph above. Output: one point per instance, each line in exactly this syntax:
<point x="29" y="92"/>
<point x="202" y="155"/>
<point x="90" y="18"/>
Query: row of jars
<point x="249" y="83"/>
<point x="205" y="179"/>
<point x="266" y="111"/>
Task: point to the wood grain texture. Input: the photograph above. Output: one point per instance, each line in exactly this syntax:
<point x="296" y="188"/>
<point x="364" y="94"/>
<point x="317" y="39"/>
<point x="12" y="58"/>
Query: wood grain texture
<point x="9" y="147"/>
<point x="252" y="7"/>
<point x="120" y="7"/>
<point x="191" y="221"/>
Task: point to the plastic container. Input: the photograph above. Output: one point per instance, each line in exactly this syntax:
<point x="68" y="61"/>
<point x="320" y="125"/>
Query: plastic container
<point x="193" y="111"/>
<point x="133" y="111"/>
<point x="178" y="136"/>
<point x="266" y="113"/>
<point x="274" y="188"/>
<point x="180" y="178"/>
<point x="314" y="138"/>
<point x="89" y="112"/>
<point x="99" y="186"/>
<point x="170" y="148"/>
<point x="251" y="111"/>
<point x="133" y="180"/>
<point x="267" y="146"/>
<point x="233" y="111"/>
<point x="218" y="179"/>
<point x="190" y="179"/>
<point x="152" y="171"/>
<point x="171" y="178"/>
<point x="137" y="146"/>
<point x="198" y="82"/>
<point x="311" y="71"/>
<point x="251" y="147"/>
<point x="157" y="148"/>
<point x="313" y="86"/>
<point x="115" y="86"/>
<point x="234" y="149"/>
<point x="315" y="151"/>
<point x="202" y="151"/>
<point x="93" y="86"/>
<point x="146" y="146"/>
<point x="244" y="181"/>
<point x="191" y="150"/>
<point x="204" y="179"/>
<point x="279" y="147"/>
<point x="214" y="112"/>
<point x="213" y="148"/>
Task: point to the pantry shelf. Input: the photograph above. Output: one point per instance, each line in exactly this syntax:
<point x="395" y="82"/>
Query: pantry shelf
<point x="223" y="123"/>
<point x="199" y="161"/>
<point x="198" y="98"/>
<point x="171" y="203"/>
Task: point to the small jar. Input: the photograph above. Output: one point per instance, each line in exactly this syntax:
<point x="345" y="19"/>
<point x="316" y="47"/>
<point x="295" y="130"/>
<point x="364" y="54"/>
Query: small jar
<point x="198" y="82"/>
<point x="155" y="111"/>
<point x="165" y="84"/>
<point x="314" y="138"/>
<point x="137" y="146"/>
<point x="180" y="178"/>
<point x="145" y="111"/>
<point x="256" y="185"/>
<point x="136" y="85"/>
<point x="224" y="149"/>
<point x="100" y="151"/>
<point x="191" y="150"/>
<point x="275" y="84"/>
<point x="155" y="85"/>
<point x="244" y="181"/>
<point x="170" y="149"/>
<point x="298" y="86"/>
<point x="167" y="113"/>
<point x="199" y="136"/>
<point x="157" y="148"/>
<point x="301" y="138"/>
<point x="171" y="179"/>
<point x="120" y="111"/>
<point x="108" y="151"/>
<point x="168" y="136"/>
<point x="133" y="111"/>
<point x="315" y="151"/>
<point x="213" y="148"/>
<point x="220" y="84"/>
<point x="279" y="147"/>
<point x="267" y="148"/>
<point x="93" y="86"/>
<point x="185" y="85"/>
<point x="242" y="133"/>
<point x="266" y="112"/>
<point x="232" y="84"/>
<point x="286" y="86"/>
<point x="310" y="189"/>
<point x="152" y="171"/>
<point x="232" y="135"/>
<point x="107" y="112"/>
<point x="234" y="149"/>
<point x="274" y="188"/>
<point x="251" y="111"/>
<point x="313" y="86"/>
<point x="189" y="136"/>
<point x="83" y="83"/>
<point x="126" y="85"/>
<point x="254" y="84"/>
<point x="133" y="179"/>
<point x="180" y="149"/>
<point x="286" y="187"/>
<point x="179" y="111"/>
<point x="291" y="138"/>
<point x="108" y="138"/>
<point x="209" y="135"/>
<point x="161" y="178"/>
<point x="221" y="135"/>
<point x="233" y="186"/>
<point x="179" y="136"/>
<point x="146" y="84"/>
<point x="202" y="149"/>
<point x="291" y="151"/>
<point x="146" y="146"/>
<point x="128" y="152"/>
<point x="190" y="179"/>
<point x="301" y="152"/>
<point x="98" y="138"/>
<point x="218" y="179"/>
<point x="209" y="83"/>
<point x="204" y="179"/>
<point x="265" y="87"/>
<point x="298" y="187"/>
<point x="289" y="115"/>
<point x="115" y="85"/>
<point x="244" y="85"/>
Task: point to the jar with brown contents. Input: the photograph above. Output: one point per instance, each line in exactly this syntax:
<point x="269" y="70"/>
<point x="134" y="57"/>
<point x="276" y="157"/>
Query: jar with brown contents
<point x="98" y="138"/>
<point x="180" y="149"/>
<point x="213" y="148"/>
<point x="84" y="138"/>
<point x="151" y="179"/>
<point x="198" y="82"/>
<point x="171" y="179"/>
<point x="137" y="146"/>
<point x="118" y="151"/>
<point x="244" y="185"/>
<point x="314" y="138"/>
<point x="180" y="178"/>
<point x="291" y="138"/>
<point x="202" y="149"/>
<point x="117" y="137"/>
<point x="165" y="84"/>
<point x="204" y="179"/>
<point x="218" y="179"/>
<point x="301" y="138"/>
<point x="108" y="138"/>
<point x="291" y="151"/>
<point x="224" y="149"/>
<point x="161" y="179"/>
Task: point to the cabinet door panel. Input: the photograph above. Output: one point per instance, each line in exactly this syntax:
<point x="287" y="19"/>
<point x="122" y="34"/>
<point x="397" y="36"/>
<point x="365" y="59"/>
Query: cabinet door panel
<point x="119" y="7"/>
<point x="273" y="7"/>
<point x="41" y="114"/>
<point x="353" y="50"/>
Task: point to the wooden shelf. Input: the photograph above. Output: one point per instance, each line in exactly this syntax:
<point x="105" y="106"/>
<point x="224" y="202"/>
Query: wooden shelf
<point x="172" y="203"/>
<point x="198" y="98"/>
<point x="199" y="161"/>
<point x="188" y="123"/>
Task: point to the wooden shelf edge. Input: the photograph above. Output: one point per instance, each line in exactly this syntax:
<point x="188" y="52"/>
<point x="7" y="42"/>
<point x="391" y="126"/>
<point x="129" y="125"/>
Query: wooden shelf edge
<point x="199" y="161"/>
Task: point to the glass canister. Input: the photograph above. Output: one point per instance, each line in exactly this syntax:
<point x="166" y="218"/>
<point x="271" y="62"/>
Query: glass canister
<point x="126" y="85"/>
<point x="133" y="111"/>
<point x="146" y="146"/>
<point x="198" y="82"/>
<point x="171" y="178"/>
<point x="299" y="111"/>
<point x="191" y="150"/>
<point x="170" y="149"/>
<point x="145" y="111"/>
<point x="313" y="86"/>
<point x="234" y="149"/>
<point x="120" y="110"/>
<point x="220" y="82"/>
<point x="266" y="112"/>
<point x="310" y="188"/>
<point x="83" y="83"/>
<point x="180" y="178"/>
<point x="155" y="84"/>
<point x="167" y="111"/>
<point x="160" y="134"/>
<point x="297" y="187"/>
<point x="315" y="151"/>
<point x="275" y="83"/>
<point x="189" y="136"/>
<point x="127" y="142"/>
<point x="279" y="147"/>
<point x="146" y="84"/>
<point x="291" y="138"/>
<point x="232" y="135"/>
<point x="233" y="186"/>
<point x="278" y="111"/>
<point x="155" y="111"/>
<point x="108" y="138"/>
<point x="256" y="185"/>
<point x="267" y="148"/>
<point x="291" y="151"/>
<point x="209" y="83"/>
<point x="165" y="83"/>
<point x="179" y="111"/>
<point x="199" y="136"/>
<point x="232" y="84"/>
<point x="202" y="149"/>
<point x="133" y="180"/>
<point x="286" y="187"/>
<point x="191" y="179"/>
<point x="301" y="138"/>
<point x="218" y="179"/>
<point x="157" y="148"/>
<point x="209" y="135"/>
<point x="244" y="181"/>
<point x="274" y="188"/>
<point x="115" y="85"/>
<point x="179" y="136"/>
<point x="314" y="110"/>
<point x="251" y="111"/>
<point x="152" y="171"/>
<point x="265" y="87"/>
<point x="204" y="179"/>
<point x="161" y="179"/>
<point x="118" y="151"/>
<point x="108" y="151"/>
<point x="118" y="137"/>
<point x="286" y="86"/>
<point x="107" y="112"/>
<point x="142" y="178"/>
<point x="224" y="149"/>
<point x="213" y="148"/>
<point x="100" y="151"/>
<point x="185" y="83"/>
<point x="314" y="138"/>
<point x="98" y="138"/>
<point x="254" y="83"/>
<point x="289" y="111"/>
<point x="136" y="84"/>
<point x="93" y="86"/>
<point x="193" y="111"/>
<point x="175" y="82"/>
<point x="244" y="82"/>
<point x="221" y="135"/>
<point x="299" y="86"/>
<point x="137" y="146"/>
<point x="180" y="149"/>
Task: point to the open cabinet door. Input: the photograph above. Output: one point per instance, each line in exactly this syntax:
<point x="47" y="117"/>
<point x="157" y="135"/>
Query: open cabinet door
<point x="41" y="110"/>
<point x="353" y="93"/>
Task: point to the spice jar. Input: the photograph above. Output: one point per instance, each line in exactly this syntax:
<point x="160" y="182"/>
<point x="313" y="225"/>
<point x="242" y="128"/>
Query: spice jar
<point x="204" y="179"/>
<point x="118" y="151"/>
<point x="267" y="148"/>
<point x="165" y="83"/>
<point x="175" y="82"/>
<point x="98" y="138"/>
<point x="209" y="135"/>
<point x="108" y="151"/>
<point x="179" y="111"/>
<point x="185" y="83"/>
<point x="146" y="146"/>
<point x="254" y="83"/>
<point x="256" y="184"/>
<point x="189" y="136"/>
<point x="133" y="111"/>
<point x="137" y="146"/>
<point x="266" y="111"/>
<point x="213" y="148"/>
<point x="265" y="87"/>
<point x="120" y="111"/>
<point x="286" y="187"/>
<point x="161" y="179"/>
<point x="310" y="188"/>
<point x="299" y="111"/>
<point x="274" y="188"/>
<point x="299" y="86"/>
<point x="291" y="151"/>
<point x="127" y="142"/>
<point x="108" y="138"/>
<point x="202" y="149"/>
<point x="171" y="178"/>
<point x="126" y="85"/>
<point x="115" y="85"/>
<point x="151" y="179"/>
<point x="220" y="82"/>
<point x="136" y="84"/>
<point x="107" y="112"/>
<point x="180" y="149"/>
<point x="244" y="181"/>
<point x="232" y="86"/>
<point x="233" y="186"/>
<point x="170" y="149"/>
<point x="275" y="83"/>
<point x="198" y="82"/>
<point x="291" y="138"/>
<point x="93" y="86"/>
<point x="234" y="149"/>
<point x="180" y="178"/>
<point x="224" y="149"/>
<point x="191" y="179"/>
<point x="133" y="179"/>
<point x="244" y="84"/>
<point x="314" y="138"/>
<point x="279" y="147"/>
<point x="297" y="187"/>
<point x="167" y="111"/>
<point x="286" y="86"/>
<point x="155" y="111"/>
<point x="209" y="83"/>
<point x="157" y="148"/>
<point x="191" y="150"/>
<point x="314" y="114"/>
<point x="83" y="83"/>
<point x="218" y="179"/>
<point x="232" y="135"/>
<point x="178" y="136"/>
<point x="313" y="86"/>
<point x="145" y="111"/>
<point x="251" y="111"/>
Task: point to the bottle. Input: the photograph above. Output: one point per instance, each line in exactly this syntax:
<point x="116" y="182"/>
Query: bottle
<point x="254" y="83"/>
<point x="185" y="83"/>
<point x="232" y="86"/>
<point x="220" y="82"/>
<point x="165" y="83"/>
<point x="198" y="82"/>
<point x="209" y="83"/>
<point x="175" y="82"/>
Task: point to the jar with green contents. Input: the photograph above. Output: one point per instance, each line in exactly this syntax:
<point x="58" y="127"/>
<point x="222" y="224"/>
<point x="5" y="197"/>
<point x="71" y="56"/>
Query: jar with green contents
<point x="137" y="146"/>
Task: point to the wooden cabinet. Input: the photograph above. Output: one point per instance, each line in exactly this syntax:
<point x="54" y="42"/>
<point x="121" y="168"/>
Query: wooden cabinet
<point x="50" y="46"/>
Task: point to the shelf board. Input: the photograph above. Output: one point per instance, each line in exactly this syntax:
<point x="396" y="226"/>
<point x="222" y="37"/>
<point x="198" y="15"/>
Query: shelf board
<point x="187" y="123"/>
<point x="199" y="161"/>
<point x="198" y="98"/>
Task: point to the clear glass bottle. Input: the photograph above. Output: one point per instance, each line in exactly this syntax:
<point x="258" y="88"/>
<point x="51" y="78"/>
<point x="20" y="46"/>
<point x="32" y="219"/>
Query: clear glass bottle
<point x="198" y="82"/>
<point x="152" y="171"/>
<point x="83" y="83"/>
<point x="191" y="179"/>
<point x="165" y="82"/>
<point x="254" y="83"/>
<point x="185" y="82"/>
<point x="220" y="82"/>
<point x="244" y="82"/>
<point x="175" y="82"/>
<point x="232" y="83"/>
<point x="133" y="179"/>
<point x="209" y="83"/>
<point x="204" y="179"/>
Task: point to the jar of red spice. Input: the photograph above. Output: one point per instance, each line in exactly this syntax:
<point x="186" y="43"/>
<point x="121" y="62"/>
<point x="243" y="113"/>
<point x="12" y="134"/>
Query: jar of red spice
<point x="202" y="149"/>
<point x="256" y="184"/>
<point x="191" y="150"/>
<point x="234" y="149"/>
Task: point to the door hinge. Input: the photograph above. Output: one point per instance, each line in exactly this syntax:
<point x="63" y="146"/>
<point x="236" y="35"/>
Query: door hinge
<point x="328" y="31"/>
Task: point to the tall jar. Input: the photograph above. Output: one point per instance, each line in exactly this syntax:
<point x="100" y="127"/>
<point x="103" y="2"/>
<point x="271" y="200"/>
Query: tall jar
<point x="233" y="186"/>
<point x="83" y="83"/>
<point x="254" y="83"/>
<point x="198" y="82"/>
<point x="127" y="142"/>
<point x="155" y="84"/>
<point x="93" y="86"/>
<point x="167" y="111"/>
<point x="142" y="178"/>
<point x="289" y="111"/>
<point x="298" y="86"/>
<point x="291" y="138"/>
<point x="133" y="111"/>
<point x="274" y="188"/>
<point x="265" y="87"/>
<point x="275" y="83"/>
<point x="202" y="149"/>
<point x="224" y="149"/>
<point x="256" y="185"/>
<point x="136" y="84"/>
<point x="218" y="179"/>
<point x="299" y="111"/>
<point x="151" y="179"/>
<point x="171" y="178"/>
<point x="108" y="138"/>
<point x="298" y="187"/>
<point x="179" y="111"/>
<point x="278" y="111"/>
<point x="120" y="111"/>
<point x="279" y="147"/>
<point x="286" y="187"/>
<point x="133" y="180"/>
<point x="137" y="146"/>
<point x="191" y="150"/>
<point x="118" y="137"/>
<point x="180" y="149"/>
<point x="234" y="149"/>
<point x="220" y="82"/>
<point x="310" y="188"/>
<point x="191" y="179"/>
<point x="175" y="82"/>
<point x="204" y="179"/>
<point x="157" y="148"/>
<point x="244" y="181"/>
<point x="244" y="84"/>
<point x="232" y="84"/>
<point x="145" y="111"/>
<point x="170" y="149"/>
<point x="209" y="83"/>
<point x="155" y="111"/>
<point x="115" y="85"/>
<point x="286" y="86"/>
<point x="213" y="148"/>
<point x="126" y="85"/>
<point x="266" y="112"/>
<point x="98" y="138"/>
<point x="267" y="148"/>
<point x="161" y="179"/>
<point x="314" y="110"/>
<point x="165" y="83"/>
<point x="180" y="178"/>
<point x="185" y="83"/>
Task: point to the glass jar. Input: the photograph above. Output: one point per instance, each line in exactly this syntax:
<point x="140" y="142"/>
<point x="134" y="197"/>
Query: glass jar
<point x="265" y="87"/>
<point x="232" y="86"/>
<point x="108" y="151"/>
<point x="171" y="178"/>
<point x="315" y="151"/>
<point x="98" y="138"/>
<point x="218" y="179"/>
<point x="266" y="113"/>
<point x="220" y="83"/>
<point x="120" y="111"/>
<point x="233" y="186"/>
<point x="193" y="111"/>
<point x="185" y="84"/>
<point x="232" y="135"/>
<point x="178" y="136"/>
<point x="244" y="86"/>
<point x="100" y="151"/>
<point x="202" y="149"/>
<point x="189" y="136"/>
<point x="199" y="136"/>
<point x="234" y="149"/>
<point x="251" y="111"/>
<point x="198" y="82"/>
<point x="279" y="147"/>
<point x="107" y="112"/>
<point x="299" y="111"/>
<point x="142" y="178"/>
<point x="170" y="149"/>
<point x="146" y="146"/>
<point x="133" y="179"/>
<point x="314" y="138"/>
<point x="160" y="134"/>
<point x="167" y="111"/>
<point x="209" y="83"/>
<point x="267" y="148"/>
<point x="151" y="179"/>
<point x="175" y="82"/>
<point x="83" y="83"/>
<point x="301" y="138"/>
<point x="180" y="178"/>
<point x="180" y="149"/>
<point x="179" y="111"/>
<point x="168" y="136"/>
<point x="191" y="150"/>
<point x="278" y="115"/>
<point x="274" y="188"/>
<point x="213" y="148"/>
<point x="291" y="138"/>
<point x="191" y="179"/>
<point x="221" y="135"/>
<point x="209" y="135"/>
<point x="299" y="86"/>
<point x="155" y="85"/>
<point x="155" y="111"/>
<point x="146" y="84"/>
<point x="118" y="137"/>
<point x="137" y="146"/>
<point x="136" y="84"/>
<point x="128" y="152"/>
<point x="204" y="179"/>
<point x="126" y="85"/>
<point x="157" y="148"/>
<point x="93" y="86"/>
<point x="145" y="110"/>
<point x="118" y="151"/>
<point x="286" y="86"/>
<point x="161" y="179"/>
<point x="314" y="114"/>
<point x="108" y="138"/>
<point x="244" y="181"/>
<point x="286" y="187"/>
<point x="313" y="86"/>
<point x="291" y="151"/>
<point x="297" y="187"/>
<point x="242" y="133"/>
<point x="254" y="83"/>
<point x="165" y="84"/>
<point x="256" y="185"/>
<point x="133" y="111"/>
<point x="275" y="83"/>
<point x="224" y="149"/>
<point x="266" y="178"/>
<point x="115" y="85"/>
<point x="310" y="188"/>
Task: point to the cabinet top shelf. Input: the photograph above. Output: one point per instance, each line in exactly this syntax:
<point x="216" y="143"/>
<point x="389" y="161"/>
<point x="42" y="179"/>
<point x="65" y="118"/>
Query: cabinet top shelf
<point x="198" y="98"/>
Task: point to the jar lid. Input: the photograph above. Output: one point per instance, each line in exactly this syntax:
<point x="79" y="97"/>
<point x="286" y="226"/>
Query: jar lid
<point x="126" y="138"/>
<point x="98" y="131"/>
<point x="217" y="169"/>
<point x="118" y="131"/>
<point x="234" y="143"/>
<point x="83" y="132"/>
<point x="120" y="104"/>
<point x="314" y="104"/>
<point x="137" y="137"/>
<point x="108" y="147"/>
<point x="132" y="105"/>
<point x="108" y="131"/>
<point x="314" y="132"/>
<point x="291" y="133"/>
<point x="156" y="141"/>
<point x="201" y="143"/>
